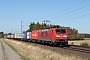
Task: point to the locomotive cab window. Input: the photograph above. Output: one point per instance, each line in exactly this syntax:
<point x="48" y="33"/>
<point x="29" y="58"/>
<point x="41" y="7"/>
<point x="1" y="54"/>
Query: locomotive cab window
<point x="60" y="31"/>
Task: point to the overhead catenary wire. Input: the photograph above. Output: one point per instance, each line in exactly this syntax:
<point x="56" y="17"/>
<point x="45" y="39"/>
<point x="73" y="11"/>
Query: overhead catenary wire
<point x="71" y="11"/>
<point x="66" y="8"/>
<point x="76" y="17"/>
<point x="76" y="13"/>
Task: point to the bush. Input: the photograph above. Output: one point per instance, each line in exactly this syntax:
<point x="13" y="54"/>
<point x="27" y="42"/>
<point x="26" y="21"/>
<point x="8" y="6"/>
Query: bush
<point x="76" y="37"/>
<point x="72" y="43"/>
<point x="84" y="44"/>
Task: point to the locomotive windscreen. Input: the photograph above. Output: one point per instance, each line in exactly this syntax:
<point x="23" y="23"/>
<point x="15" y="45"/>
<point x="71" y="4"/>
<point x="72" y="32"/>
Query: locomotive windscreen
<point x="60" y="31"/>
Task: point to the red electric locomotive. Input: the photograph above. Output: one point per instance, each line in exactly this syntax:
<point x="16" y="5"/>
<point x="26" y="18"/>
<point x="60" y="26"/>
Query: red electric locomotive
<point x="55" y="36"/>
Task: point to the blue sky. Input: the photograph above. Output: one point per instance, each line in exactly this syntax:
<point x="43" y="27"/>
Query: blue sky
<point x="69" y="13"/>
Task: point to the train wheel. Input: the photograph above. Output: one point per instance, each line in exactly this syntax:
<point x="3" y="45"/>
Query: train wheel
<point x="66" y="43"/>
<point x="54" y="44"/>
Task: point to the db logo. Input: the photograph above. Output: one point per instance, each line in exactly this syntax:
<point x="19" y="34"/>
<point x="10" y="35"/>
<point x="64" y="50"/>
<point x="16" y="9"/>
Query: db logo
<point x="34" y="35"/>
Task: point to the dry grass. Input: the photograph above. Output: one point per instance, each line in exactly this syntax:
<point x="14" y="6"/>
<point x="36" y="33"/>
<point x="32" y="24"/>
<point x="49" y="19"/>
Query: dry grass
<point x="78" y="42"/>
<point x="38" y="53"/>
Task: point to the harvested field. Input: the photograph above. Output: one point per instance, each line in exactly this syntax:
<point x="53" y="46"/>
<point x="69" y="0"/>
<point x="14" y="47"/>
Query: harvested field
<point x="38" y="53"/>
<point x="78" y="42"/>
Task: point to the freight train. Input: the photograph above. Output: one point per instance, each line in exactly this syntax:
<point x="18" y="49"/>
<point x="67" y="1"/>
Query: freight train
<point x="53" y="36"/>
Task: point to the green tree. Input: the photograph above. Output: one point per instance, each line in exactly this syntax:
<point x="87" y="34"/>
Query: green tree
<point x="1" y="35"/>
<point x="34" y="26"/>
<point x="31" y="26"/>
<point x="28" y="30"/>
<point x="9" y="33"/>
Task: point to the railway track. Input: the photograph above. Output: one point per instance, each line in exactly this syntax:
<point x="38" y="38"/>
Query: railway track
<point x="78" y="48"/>
<point x="81" y="51"/>
<point x="70" y="49"/>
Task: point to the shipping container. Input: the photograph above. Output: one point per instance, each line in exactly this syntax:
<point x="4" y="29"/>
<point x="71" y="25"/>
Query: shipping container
<point x="24" y="34"/>
<point x="12" y="36"/>
<point x="15" y="35"/>
<point x="19" y="35"/>
<point x="35" y="34"/>
<point x="8" y="36"/>
<point x="5" y="36"/>
<point x="28" y="35"/>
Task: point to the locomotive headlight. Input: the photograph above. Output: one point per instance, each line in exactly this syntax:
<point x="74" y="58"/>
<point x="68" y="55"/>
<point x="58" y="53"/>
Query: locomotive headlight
<point x="57" y="36"/>
<point x="65" y="36"/>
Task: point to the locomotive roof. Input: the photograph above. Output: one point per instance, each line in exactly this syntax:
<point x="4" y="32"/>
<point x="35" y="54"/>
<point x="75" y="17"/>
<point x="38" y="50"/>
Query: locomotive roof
<point x="51" y="29"/>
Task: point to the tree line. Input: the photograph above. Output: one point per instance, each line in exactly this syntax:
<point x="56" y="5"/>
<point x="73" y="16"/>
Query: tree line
<point x="72" y="32"/>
